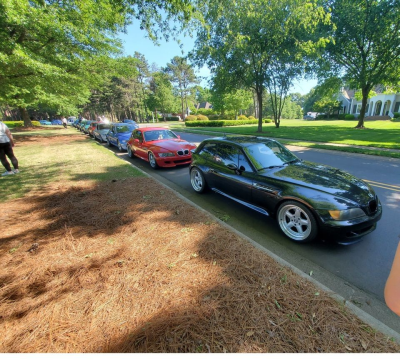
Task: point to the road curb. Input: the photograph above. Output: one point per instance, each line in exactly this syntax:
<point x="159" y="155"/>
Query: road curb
<point x="362" y="315"/>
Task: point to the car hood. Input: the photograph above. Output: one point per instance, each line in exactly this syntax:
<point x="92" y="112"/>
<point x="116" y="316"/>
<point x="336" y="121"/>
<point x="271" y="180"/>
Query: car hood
<point x="124" y="136"/>
<point x="325" y="179"/>
<point x="172" y="145"/>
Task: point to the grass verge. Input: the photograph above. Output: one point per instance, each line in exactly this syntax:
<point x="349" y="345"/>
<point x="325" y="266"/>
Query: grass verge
<point x="382" y="134"/>
<point x="44" y="159"/>
<point x="382" y="153"/>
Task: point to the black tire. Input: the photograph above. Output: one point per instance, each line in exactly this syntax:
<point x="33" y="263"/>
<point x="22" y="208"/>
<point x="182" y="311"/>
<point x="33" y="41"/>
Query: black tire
<point x="129" y="150"/>
<point x="197" y="180"/>
<point x="297" y="222"/>
<point x="152" y="161"/>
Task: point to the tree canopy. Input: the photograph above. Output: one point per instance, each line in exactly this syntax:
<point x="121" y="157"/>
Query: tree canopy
<point x="52" y="52"/>
<point x="255" y="44"/>
<point x="366" y="46"/>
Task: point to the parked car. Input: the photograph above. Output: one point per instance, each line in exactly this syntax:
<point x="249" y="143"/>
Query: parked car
<point x="307" y="199"/>
<point x="100" y="132"/>
<point x="56" y="122"/>
<point x="119" y="135"/>
<point x="91" y="128"/>
<point x="310" y="118"/>
<point x="71" y="120"/>
<point x="83" y="124"/>
<point x="45" y="122"/>
<point x="160" y="147"/>
<point x="131" y="121"/>
<point x="85" y="127"/>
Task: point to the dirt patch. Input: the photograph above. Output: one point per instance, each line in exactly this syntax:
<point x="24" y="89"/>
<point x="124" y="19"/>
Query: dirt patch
<point x="24" y="140"/>
<point x="127" y="266"/>
<point x="35" y="128"/>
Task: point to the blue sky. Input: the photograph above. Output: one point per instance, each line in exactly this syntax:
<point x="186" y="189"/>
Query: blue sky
<point x="135" y="40"/>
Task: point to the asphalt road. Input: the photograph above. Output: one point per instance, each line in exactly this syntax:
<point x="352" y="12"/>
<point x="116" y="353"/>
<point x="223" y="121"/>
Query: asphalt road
<point x="358" y="272"/>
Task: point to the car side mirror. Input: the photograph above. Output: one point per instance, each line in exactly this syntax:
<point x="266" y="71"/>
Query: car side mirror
<point x="179" y="136"/>
<point x="232" y="167"/>
<point x="136" y="140"/>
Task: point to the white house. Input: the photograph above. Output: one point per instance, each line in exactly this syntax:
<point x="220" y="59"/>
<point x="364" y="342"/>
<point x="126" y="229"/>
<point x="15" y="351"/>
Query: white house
<point x="378" y="106"/>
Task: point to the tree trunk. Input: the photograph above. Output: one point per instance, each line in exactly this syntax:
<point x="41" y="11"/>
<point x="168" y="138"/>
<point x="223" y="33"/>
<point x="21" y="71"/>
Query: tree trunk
<point x="25" y="116"/>
<point x="183" y="113"/>
<point x="260" y="102"/>
<point x="365" y="92"/>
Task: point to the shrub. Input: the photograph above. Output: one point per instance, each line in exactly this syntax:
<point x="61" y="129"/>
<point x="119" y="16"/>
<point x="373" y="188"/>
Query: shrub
<point x="321" y="116"/>
<point x="396" y="115"/>
<point x="213" y="117"/>
<point x="396" y="119"/>
<point x="173" y="118"/>
<point x="205" y="112"/>
<point x="36" y="123"/>
<point x="14" y="123"/>
<point x="190" y="118"/>
<point x="267" y="120"/>
<point x="201" y="117"/>
<point x="242" y="116"/>
<point x="251" y="117"/>
<point x="349" y="117"/>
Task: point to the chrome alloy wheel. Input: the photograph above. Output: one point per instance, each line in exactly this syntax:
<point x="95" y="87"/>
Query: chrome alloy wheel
<point x="294" y="222"/>
<point x="197" y="180"/>
<point x="152" y="160"/>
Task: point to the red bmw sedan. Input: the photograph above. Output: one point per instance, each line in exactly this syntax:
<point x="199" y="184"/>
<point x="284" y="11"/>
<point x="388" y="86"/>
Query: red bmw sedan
<point x="160" y="147"/>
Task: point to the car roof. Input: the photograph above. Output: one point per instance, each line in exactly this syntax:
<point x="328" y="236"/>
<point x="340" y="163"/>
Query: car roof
<point x="244" y="141"/>
<point x="154" y="129"/>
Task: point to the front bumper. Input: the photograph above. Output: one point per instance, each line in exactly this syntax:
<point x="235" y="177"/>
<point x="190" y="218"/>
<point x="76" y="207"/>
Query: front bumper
<point x="173" y="161"/>
<point x="350" y="231"/>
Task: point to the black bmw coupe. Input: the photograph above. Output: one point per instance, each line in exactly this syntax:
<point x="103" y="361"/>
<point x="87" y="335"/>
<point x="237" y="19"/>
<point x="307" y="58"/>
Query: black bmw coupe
<point x="309" y="200"/>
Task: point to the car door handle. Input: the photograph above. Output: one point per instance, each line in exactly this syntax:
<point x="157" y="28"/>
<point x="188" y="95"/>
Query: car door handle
<point x="211" y="170"/>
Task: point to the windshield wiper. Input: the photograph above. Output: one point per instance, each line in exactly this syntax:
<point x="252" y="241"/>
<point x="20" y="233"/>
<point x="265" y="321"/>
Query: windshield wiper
<point x="266" y="168"/>
<point x="288" y="162"/>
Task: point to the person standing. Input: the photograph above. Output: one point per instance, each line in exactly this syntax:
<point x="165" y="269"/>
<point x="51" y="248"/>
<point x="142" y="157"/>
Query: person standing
<point x="6" y="150"/>
<point x="64" y="122"/>
<point x="392" y="287"/>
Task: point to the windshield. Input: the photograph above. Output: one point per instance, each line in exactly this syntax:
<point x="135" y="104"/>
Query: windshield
<point x="125" y="128"/>
<point x="104" y="126"/>
<point x="162" y="134"/>
<point x="269" y="154"/>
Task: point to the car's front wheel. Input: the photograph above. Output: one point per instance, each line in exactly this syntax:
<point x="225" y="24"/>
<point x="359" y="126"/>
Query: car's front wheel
<point x="152" y="161"/>
<point x="297" y="222"/>
<point x="129" y="150"/>
<point x="197" y="180"/>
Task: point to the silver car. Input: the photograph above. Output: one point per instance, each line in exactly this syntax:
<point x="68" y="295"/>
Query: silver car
<point x="101" y="131"/>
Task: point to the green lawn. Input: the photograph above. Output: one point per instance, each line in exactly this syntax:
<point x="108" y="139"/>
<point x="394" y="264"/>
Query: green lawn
<point x="42" y="164"/>
<point x="383" y="134"/>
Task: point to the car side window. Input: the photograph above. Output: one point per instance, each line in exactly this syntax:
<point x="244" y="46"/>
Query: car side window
<point x="227" y="155"/>
<point x="208" y="151"/>
<point x="244" y="165"/>
<point x="139" y="135"/>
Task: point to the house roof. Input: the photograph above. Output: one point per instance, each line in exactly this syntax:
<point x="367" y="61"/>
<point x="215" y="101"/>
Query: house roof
<point x="204" y="105"/>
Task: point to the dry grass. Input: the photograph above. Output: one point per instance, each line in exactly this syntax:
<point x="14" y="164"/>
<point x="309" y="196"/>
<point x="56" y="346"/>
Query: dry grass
<point x="126" y="266"/>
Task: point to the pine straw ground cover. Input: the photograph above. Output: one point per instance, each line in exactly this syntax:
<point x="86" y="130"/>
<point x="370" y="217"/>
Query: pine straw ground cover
<point x="127" y="266"/>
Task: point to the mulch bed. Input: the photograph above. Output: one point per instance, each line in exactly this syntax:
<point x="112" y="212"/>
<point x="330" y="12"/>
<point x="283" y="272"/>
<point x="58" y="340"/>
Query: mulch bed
<point x="127" y="266"/>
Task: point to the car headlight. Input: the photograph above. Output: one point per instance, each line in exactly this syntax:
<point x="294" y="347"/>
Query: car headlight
<point x="166" y="154"/>
<point x="349" y="214"/>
